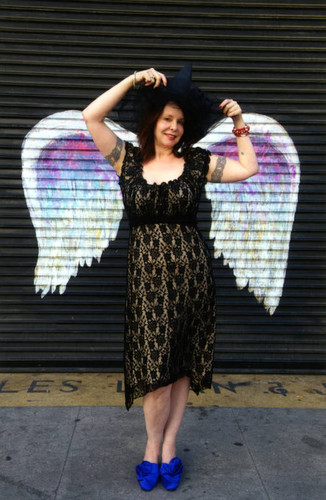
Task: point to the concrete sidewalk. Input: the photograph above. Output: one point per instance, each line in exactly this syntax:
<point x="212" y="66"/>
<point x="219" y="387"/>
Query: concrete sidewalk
<point x="90" y="453"/>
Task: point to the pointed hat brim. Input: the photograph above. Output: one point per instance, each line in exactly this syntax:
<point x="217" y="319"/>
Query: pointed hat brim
<point x="199" y="109"/>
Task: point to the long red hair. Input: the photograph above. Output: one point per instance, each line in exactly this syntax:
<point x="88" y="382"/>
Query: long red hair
<point x="146" y="133"/>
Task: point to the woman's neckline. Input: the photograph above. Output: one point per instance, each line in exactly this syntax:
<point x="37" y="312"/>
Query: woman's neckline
<point x="169" y="182"/>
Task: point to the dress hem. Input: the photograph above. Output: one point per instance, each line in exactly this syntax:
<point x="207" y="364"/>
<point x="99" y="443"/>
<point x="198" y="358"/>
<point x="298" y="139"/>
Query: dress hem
<point x="197" y="388"/>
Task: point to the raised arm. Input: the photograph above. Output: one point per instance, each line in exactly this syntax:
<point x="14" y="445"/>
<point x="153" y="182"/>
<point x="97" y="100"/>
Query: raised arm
<point x="111" y="146"/>
<point x="222" y="169"/>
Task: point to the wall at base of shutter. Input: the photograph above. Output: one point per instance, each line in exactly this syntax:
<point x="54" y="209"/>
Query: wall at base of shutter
<point x="55" y="56"/>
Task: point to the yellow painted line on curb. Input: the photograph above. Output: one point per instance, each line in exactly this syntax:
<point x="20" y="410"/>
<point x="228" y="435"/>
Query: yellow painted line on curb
<point x="107" y="389"/>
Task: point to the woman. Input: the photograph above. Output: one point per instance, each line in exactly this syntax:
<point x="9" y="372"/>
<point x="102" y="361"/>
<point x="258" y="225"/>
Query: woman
<point x="170" y="306"/>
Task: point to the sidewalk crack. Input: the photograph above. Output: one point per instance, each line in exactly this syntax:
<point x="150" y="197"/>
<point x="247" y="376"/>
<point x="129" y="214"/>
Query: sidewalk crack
<point x="67" y="454"/>
<point x="251" y="455"/>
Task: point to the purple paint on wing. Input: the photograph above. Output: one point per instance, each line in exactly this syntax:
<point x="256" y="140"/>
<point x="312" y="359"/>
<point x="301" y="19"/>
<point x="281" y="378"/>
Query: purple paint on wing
<point x="71" y="162"/>
<point x="63" y="157"/>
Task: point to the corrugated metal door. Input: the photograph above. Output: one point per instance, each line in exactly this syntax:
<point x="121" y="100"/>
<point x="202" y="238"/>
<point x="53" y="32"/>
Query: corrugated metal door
<point x="59" y="55"/>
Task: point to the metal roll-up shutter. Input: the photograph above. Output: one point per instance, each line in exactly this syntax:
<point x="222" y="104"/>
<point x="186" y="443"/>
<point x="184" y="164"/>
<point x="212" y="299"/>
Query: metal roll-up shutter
<point x="59" y="55"/>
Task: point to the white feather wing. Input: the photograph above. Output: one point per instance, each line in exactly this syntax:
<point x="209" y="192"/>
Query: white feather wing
<point x="72" y="194"/>
<point x="252" y="220"/>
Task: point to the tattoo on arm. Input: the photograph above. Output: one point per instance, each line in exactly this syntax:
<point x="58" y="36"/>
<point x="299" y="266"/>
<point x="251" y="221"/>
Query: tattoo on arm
<point x="219" y="167"/>
<point x="115" y="154"/>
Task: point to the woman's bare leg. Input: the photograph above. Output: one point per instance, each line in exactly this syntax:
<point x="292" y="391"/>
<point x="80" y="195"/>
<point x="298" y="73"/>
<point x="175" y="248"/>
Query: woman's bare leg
<point x="156" y="407"/>
<point x="178" y="400"/>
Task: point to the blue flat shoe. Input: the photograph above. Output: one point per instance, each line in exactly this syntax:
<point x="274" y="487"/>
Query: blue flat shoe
<point x="171" y="473"/>
<point x="147" y="475"/>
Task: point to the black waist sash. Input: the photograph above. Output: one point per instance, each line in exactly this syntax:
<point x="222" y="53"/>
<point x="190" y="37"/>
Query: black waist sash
<point x="187" y="220"/>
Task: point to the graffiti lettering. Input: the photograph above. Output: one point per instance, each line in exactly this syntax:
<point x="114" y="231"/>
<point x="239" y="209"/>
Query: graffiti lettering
<point x="230" y="387"/>
<point x="73" y="388"/>
<point x="34" y="387"/>
<point x="319" y="392"/>
<point x="119" y="386"/>
<point x="3" y="383"/>
<point x="41" y="386"/>
<point x="278" y="388"/>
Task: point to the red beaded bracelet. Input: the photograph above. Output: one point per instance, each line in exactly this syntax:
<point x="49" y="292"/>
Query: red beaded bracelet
<point x="241" y="132"/>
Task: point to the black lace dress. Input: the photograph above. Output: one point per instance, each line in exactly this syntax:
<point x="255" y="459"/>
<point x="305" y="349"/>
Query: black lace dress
<point x="170" y="304"/>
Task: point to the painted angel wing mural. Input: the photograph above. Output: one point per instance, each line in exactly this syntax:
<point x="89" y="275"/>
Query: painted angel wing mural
<point x="72" y="194"/>
<point x="76" y="206"/>
<point x="252" y="220"/>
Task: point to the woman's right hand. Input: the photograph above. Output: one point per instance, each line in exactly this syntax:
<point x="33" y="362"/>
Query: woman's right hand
<point x="149" y="77"/>
<point x="105" y="139"/>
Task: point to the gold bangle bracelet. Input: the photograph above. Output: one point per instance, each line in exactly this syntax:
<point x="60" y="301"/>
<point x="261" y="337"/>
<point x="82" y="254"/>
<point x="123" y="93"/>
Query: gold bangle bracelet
<point x="134" y="80"/>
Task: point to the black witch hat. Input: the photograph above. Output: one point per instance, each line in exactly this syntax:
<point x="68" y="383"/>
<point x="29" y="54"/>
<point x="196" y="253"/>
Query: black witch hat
<point x="200" y="111"/>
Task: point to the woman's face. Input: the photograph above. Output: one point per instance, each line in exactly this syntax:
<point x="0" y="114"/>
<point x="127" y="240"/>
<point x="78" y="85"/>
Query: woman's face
<point x="169" y="126"/>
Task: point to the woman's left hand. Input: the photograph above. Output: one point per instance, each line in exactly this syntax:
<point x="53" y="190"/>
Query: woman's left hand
<point x="231" y="109"/>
